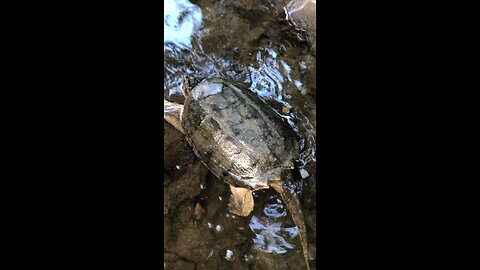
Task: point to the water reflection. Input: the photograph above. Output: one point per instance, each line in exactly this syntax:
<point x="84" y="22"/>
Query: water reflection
<point x="270" y="235"/>
<point x="275" y="210"/>
<point x="270" y="75"/>
<point x="180" y="20"/>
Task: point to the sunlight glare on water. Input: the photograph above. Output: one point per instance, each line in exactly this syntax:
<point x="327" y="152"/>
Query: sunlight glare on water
<point x="270" y="235"/>
<point x="180" y="20"/>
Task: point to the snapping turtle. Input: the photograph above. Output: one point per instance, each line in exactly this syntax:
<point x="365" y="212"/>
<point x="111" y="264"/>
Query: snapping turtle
<point x="241" y="140"/>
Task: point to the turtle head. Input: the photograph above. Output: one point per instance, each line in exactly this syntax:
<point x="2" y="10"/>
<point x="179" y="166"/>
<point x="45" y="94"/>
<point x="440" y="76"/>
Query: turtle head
<point x="188" y="83"/>
<point x="186" y="86"/>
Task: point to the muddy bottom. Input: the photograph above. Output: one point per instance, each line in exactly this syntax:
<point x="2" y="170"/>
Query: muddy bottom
<point x="200" y="232"/>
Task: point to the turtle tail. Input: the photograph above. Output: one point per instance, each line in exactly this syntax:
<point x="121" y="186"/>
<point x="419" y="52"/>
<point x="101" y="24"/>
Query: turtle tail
<point x="293" y="205"/>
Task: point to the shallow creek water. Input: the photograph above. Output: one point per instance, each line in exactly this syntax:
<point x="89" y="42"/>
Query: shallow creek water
<point x="251" y="42"/>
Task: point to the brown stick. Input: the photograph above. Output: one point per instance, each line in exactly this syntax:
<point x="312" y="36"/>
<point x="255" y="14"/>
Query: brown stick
<point x="293" y="205"/>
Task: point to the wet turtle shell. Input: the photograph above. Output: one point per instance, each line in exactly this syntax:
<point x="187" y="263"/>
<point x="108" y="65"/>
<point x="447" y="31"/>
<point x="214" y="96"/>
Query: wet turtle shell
<point x="238" y="136"/>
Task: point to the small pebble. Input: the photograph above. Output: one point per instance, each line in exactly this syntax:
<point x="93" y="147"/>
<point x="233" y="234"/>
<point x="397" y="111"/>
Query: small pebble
<point x="178" y="167"/>
<point x="229" y="255"/>
<point x="199" y="211"/>
<point x="248" y="257"/>
<point x="219" y="228"/>
<point x="209" y="225"/>
<point x="220" y="198"/>
<point x="304" y="173"/>
<point x="285" y="110"/>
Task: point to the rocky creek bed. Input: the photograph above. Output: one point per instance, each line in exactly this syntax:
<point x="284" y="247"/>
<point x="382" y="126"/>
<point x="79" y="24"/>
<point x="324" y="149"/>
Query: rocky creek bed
<point x="251" y="42"/>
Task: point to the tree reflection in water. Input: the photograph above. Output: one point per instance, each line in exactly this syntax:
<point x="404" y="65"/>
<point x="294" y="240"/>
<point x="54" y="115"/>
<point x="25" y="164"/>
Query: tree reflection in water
<point x="270" y="235"/>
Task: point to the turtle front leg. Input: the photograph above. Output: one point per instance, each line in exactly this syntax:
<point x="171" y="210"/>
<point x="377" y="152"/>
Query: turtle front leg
<point x="241" y="201"/>
<point x="172" y="113"/>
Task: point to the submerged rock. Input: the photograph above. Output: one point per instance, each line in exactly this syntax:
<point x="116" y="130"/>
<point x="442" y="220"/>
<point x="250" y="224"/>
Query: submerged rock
<point x="172" y="261"/>
<point x="184" y="186"/>
<point x="303" y="14"/>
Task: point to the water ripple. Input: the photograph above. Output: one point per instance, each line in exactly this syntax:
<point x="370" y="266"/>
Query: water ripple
<point x="268" y="235"/>
<point x="215" y="41"/>
<point x="180" y="19"/>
